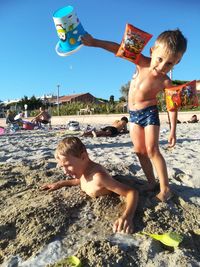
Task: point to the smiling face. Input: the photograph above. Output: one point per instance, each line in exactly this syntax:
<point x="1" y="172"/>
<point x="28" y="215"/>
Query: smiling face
<point x="71" y="165"/>
<point x="162" y="61"/>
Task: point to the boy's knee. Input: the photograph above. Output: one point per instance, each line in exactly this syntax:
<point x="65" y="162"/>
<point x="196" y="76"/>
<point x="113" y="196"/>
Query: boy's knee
<point x="141" y="154"/>
<point x="152" y="151"/>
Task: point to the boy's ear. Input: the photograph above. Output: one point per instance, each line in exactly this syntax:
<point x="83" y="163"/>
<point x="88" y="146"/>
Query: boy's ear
<point x="151" y="50"/>
<point x="83" y="155"/>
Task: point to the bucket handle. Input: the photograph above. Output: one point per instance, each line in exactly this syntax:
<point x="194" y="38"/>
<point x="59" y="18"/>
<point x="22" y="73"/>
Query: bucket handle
<point x="64" y="54"/>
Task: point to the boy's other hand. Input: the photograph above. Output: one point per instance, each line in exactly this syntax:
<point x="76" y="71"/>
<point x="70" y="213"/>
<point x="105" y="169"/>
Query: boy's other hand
<point x="171" y="141"/>
<point x="123" y="225"/>
<point x="50" y="187"/>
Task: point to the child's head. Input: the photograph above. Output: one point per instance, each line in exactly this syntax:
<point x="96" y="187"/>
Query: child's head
<point x="71" y="155"/>
<point x="167" y="51"/>
<point x="70" y="146"/>
<point x="124" y="119"/>
<point x="173" y="42"/>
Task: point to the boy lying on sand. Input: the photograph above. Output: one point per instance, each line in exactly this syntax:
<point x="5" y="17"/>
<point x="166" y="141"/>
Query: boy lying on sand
<point x="118" y="126"/>
<point x="94" y="180"/>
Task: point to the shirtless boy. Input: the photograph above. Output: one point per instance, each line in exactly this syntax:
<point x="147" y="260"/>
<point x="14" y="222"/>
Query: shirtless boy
<point x="118" y="126"/>
<point x="94" y="180"/>
<point x="150" y="78"/>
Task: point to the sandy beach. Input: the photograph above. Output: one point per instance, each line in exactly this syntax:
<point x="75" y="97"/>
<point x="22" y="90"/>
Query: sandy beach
<point x="105" y="118"/>
<point x="39" y="228"/>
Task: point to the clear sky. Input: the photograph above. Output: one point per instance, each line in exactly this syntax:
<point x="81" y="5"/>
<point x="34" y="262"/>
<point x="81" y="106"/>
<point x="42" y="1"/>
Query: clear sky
<point x="30" y="66"/>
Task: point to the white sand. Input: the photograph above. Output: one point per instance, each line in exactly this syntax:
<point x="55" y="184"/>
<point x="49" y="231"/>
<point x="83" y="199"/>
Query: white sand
<point x="106" y="118"/>
<point x="182" y="161"/>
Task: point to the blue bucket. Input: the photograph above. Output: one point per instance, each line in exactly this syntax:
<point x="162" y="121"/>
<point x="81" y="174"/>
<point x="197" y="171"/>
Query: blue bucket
<point x="69" y="30"/>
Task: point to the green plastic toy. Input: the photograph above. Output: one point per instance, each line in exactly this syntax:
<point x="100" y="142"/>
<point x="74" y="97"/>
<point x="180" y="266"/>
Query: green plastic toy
<point x="170" y="239"/>
<point x="73" y="261"/>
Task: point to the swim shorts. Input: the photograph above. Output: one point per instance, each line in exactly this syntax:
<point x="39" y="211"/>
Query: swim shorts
<point x="111" y="129"/>
<point x="145" y="117"/>
<point x="44" y="121"/>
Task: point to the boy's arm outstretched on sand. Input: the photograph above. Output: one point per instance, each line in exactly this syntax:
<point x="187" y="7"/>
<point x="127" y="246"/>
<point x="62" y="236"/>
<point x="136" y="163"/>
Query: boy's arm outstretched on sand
<point x="59" y="184"/>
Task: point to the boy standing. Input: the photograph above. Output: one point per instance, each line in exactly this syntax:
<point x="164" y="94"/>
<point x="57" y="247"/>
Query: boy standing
<point x="150" y="78"/>
<point x="93" y="179"/>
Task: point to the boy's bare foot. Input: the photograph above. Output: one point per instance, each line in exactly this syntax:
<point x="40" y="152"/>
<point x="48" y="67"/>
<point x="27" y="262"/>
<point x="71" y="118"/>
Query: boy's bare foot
<point x="82" y="133"/>
<point x="94" y="134"/>
<point x="164" y="197"/>
<point x="152" y="202"/>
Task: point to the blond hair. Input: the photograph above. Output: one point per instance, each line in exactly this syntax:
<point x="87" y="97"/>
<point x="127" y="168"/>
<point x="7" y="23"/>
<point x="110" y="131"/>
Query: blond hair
<point x="174" y="42"/>
<point x="70" y="146"/>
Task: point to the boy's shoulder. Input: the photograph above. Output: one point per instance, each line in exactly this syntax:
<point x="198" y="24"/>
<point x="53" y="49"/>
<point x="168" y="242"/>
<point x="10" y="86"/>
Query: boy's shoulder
<point x="97" y="169"/>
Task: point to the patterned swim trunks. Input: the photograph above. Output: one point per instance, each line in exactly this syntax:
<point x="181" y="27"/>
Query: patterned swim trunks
<point x="145" y="117"/>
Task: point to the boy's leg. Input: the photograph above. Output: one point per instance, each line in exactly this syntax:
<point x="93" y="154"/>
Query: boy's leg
<point x="103" y="133"/>
<point x="138" y="138"/>
<point x="152" y="147"/>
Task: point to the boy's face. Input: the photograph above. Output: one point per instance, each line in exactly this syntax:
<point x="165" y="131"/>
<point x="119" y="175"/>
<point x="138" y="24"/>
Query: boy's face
<point x="161" y="61"/>
<point x="71" y="165"/>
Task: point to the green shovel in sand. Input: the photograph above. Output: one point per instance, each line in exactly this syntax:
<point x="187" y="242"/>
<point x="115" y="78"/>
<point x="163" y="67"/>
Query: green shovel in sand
<point x="72" y="261"/>
<point x="170" y="239"/>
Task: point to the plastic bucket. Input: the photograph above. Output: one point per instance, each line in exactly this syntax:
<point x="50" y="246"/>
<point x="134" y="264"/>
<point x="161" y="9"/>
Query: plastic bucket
<point x="69" y="30"/>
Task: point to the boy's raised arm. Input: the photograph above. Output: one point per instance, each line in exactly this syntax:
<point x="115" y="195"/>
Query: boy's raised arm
<point x="88" y="40"/>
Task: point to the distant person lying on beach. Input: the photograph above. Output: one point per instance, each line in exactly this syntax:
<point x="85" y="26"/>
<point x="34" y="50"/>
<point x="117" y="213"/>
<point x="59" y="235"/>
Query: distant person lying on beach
<point x="94" y="180"/>
<point x="43" y="117"/>
<point x="193" y="119"/>
<point x="118" y="126"/>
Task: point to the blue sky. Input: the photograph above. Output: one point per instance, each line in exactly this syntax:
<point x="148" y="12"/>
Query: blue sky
<point x="30" y="66"/>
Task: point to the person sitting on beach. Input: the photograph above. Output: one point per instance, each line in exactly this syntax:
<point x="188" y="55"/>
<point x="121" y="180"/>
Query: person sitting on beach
<point x="149" y="79"/>
<point x="94" y="180"/>
<point x="19" y="117"/>
<point x="11" y="118"/>
<point x="118" y="126"/>
<point x="43" y="117"/>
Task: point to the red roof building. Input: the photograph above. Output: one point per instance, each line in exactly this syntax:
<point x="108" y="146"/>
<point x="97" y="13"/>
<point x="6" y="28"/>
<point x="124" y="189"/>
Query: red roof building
<point x="84" y="98"/>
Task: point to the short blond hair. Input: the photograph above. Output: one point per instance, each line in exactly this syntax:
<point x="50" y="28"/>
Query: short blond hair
<point x="174" y="42"/>
<point x="70" y="146"/>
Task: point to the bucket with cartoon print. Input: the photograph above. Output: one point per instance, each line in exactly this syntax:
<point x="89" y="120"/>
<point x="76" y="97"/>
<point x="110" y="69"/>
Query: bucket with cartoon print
<point x="69" y="30"/>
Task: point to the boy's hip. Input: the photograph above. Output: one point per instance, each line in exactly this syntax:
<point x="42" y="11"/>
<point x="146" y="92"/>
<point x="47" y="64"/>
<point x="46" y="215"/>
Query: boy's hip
<point x="146" y="116"/>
